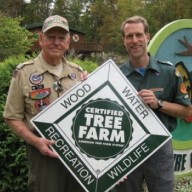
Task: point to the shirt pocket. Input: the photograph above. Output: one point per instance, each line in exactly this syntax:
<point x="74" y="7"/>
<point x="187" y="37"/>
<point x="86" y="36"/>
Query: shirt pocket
<point x="162" y="94"/>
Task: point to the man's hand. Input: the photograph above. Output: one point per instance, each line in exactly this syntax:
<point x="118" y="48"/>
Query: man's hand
<point x="149" y="98"/>
<point x="43" y="145"/>
<point x="122" y="180"/>
<point x="22" y="130"/>
<point x="84" y="75"/>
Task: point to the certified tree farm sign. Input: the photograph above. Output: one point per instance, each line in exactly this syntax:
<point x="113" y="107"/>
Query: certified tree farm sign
<point x="101" y="128"/>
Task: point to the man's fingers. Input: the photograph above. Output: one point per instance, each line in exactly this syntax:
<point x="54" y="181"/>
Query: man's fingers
<point x="84" y="75"/>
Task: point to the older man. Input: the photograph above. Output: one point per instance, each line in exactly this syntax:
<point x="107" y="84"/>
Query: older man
<point x="36" y="84"/>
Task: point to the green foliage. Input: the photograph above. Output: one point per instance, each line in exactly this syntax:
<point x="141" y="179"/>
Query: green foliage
<point x="14" y="39"/>
<point x="13" y="162"/>
<point x="13" y="165"/>
<point x="87" y="65"/>
<point x="100" y="19"/>
<point x="36" y="11"/>
<point x="183" y="184"/>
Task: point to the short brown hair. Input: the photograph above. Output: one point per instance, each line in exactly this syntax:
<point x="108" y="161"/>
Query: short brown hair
<point x="135" y="19"/>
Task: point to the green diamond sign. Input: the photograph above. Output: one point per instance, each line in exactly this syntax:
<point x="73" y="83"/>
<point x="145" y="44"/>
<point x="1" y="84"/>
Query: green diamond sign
<point x="102" y="129"/>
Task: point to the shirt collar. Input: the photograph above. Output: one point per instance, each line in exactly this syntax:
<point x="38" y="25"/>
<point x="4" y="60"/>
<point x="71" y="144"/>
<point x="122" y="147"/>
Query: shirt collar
<point x="41" y="64"/>
<point x="128" y="67"/>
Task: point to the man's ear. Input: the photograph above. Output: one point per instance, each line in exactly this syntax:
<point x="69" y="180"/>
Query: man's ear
<point x="148" y="37"/>
<point x="123" y="40"/>
<point x="40" y="38"/>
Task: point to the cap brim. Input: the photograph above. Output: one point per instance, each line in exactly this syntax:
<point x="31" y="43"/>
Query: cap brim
<point x="66" y="28"/>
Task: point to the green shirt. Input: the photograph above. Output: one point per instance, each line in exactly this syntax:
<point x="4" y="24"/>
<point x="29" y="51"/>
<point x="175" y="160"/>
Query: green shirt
<point x="163" y="79"/>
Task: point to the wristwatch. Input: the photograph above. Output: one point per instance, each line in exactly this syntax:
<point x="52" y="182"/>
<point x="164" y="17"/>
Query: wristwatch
<point x="160" y="104"/>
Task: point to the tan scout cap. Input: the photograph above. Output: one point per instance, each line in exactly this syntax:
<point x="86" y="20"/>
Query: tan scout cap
<point x="55" y="21"/>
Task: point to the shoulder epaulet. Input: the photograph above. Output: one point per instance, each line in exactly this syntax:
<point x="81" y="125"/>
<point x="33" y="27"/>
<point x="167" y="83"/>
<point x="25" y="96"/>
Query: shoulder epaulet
<point x="165" y="62"/>
<point x="21" y="65"/>
<point x="75" y="66"/>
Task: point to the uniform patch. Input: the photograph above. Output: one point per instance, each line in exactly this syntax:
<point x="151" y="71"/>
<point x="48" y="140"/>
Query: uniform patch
<point x="177" y="73"/>
<point x="73" y="76"/>
<point x="36" y="87"/>
<point x="40" y="94"/>
<point x="183" y="88"/>
<point x="41" y="104"/>
<point x="35" y="78"/>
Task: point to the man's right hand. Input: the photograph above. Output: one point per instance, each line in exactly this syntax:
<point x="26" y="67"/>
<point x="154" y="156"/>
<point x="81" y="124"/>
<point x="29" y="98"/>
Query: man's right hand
<point x="43" y="145"/>
<point x="22" y="130"/>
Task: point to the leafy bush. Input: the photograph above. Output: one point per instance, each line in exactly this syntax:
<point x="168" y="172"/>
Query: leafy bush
<point x="86" y="64"/>
<point x="183" y="184"/>
<point x="14" y="39"/>
<point x="13" y="174"/>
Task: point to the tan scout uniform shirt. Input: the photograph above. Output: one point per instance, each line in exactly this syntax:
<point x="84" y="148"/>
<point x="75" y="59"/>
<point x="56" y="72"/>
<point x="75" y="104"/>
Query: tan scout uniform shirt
<point x="33" y="88"/>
